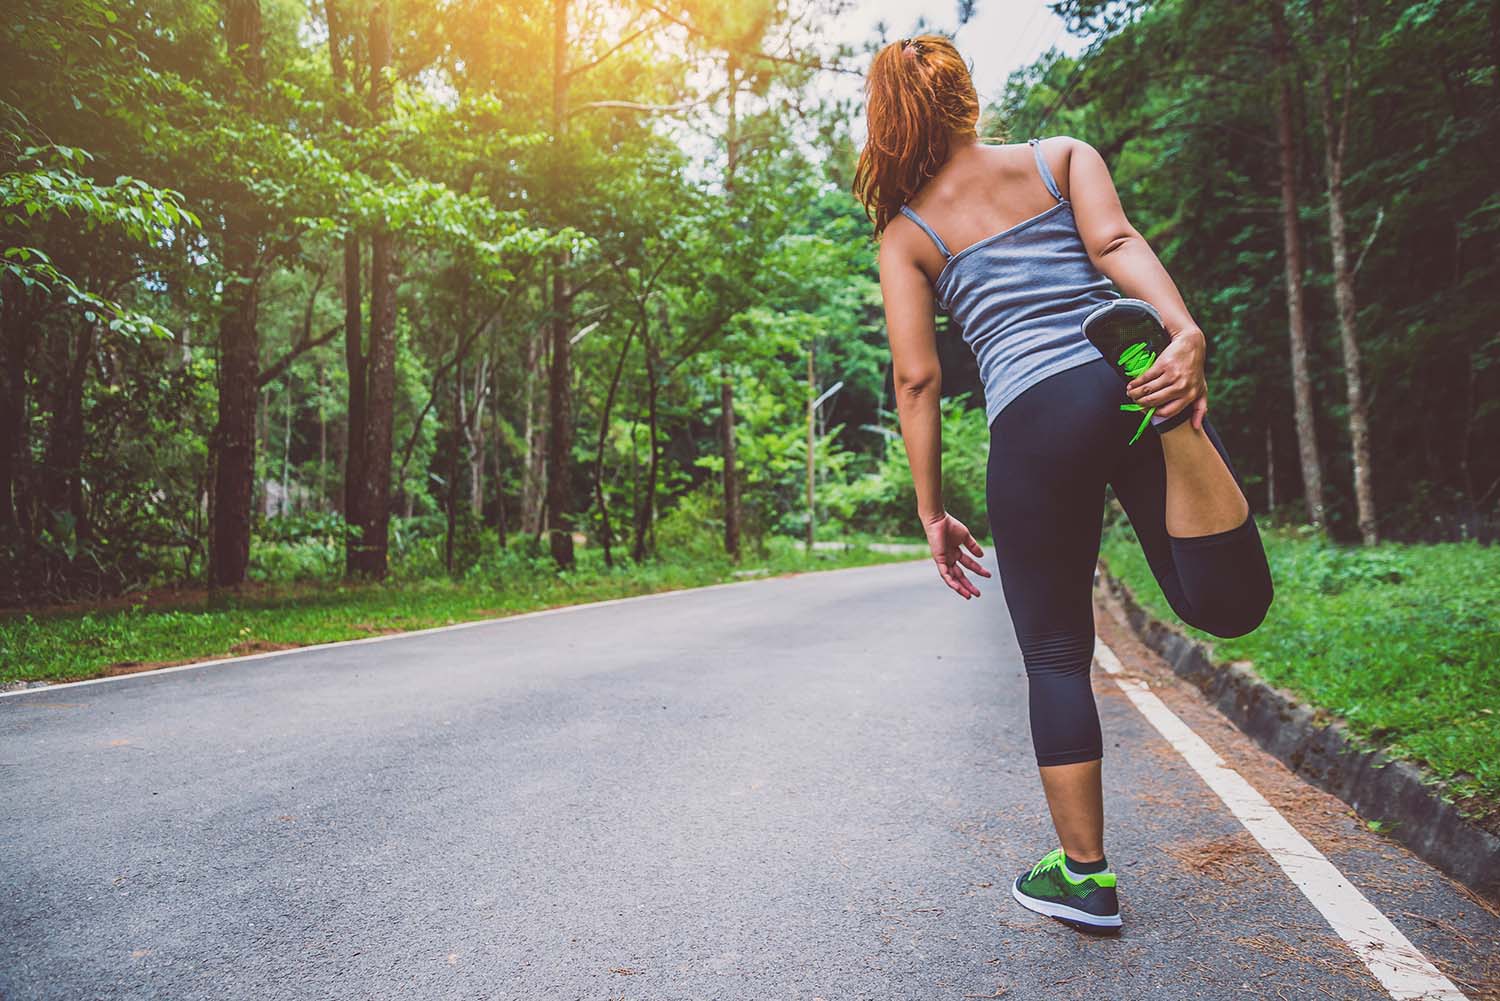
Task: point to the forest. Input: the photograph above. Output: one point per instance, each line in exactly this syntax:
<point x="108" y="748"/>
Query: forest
<point x="357" y="289"/>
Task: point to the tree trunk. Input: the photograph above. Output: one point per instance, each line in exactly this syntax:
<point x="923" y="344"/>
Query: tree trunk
<point x="559" y="424"/>
<point x="371" y="492"/>
<point x="260" y="498"/>
<point x="62" y="490"/>
<point x="473" y="428"/>
<point x="646" y="513"/>
<point x="726" y="391"/>
<point x="17" y="336"/>
<point x="731" y="466"/>
<point x="1343" y="289"/>
<point x="288" y="502"/>
<point x="450" y="488"/>
<point x="1302" y="394"/>
<point x="502" y="522"/>
<point x="559" y="381"/>
<point x="534" y="462"/>
<point x="606" y="534"/>
<point x="354" y="365"/>
<point x="374" y="489"/>
<point x="355" y="466"/>
<point x="478" y="460"/>
<point x="322" y="438"/>
<point x="233" y="443"/>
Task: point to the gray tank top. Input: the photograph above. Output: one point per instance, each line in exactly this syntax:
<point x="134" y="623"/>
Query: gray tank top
<point x="1020" y="297"/>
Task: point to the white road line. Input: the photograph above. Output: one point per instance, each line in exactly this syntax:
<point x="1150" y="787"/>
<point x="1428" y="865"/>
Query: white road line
<point x="558" y="610"/>
<point x="1403" y="971"/>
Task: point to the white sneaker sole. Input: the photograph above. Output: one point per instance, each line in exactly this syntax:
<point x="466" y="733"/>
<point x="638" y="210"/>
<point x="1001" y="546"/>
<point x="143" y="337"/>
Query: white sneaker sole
<point x="1065" y="912"/>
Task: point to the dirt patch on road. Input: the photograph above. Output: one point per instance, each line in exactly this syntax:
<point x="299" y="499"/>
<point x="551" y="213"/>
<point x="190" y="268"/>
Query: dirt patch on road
<point x="1216" y="858"/>
<point x="248" y="647"/>
<point x="125" y="667"/>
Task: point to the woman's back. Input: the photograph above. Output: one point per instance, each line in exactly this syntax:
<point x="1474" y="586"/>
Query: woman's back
<point x="1020" y="285"/>
<point x="982" y="190"/>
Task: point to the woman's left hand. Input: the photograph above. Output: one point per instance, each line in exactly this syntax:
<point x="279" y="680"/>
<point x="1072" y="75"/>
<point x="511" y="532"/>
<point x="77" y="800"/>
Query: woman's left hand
<point x="949" y="538"/>
<point x="1176" y="379"/>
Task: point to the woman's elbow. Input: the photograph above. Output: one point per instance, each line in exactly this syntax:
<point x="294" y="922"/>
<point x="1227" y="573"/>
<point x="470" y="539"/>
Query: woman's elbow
<point x="1112" y="244"/>
<point x="918" y="381"/>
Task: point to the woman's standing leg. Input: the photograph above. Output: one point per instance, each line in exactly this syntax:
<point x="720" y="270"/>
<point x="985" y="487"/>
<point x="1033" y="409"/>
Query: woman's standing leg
<point x="1049" y="452"/>
<point x="1045" y="493"/>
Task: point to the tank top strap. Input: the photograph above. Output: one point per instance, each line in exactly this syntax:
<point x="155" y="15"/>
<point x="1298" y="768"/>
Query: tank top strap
<point x="906" y="211"/>
<point x="1044" y="170"/>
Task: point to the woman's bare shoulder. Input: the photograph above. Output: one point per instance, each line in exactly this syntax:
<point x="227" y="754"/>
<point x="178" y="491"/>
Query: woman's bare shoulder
<point x="897" y="244"/>
<point x="1059" y="151"/>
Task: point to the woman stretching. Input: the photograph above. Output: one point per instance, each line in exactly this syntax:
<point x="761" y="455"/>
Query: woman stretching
<point x="1093" y="374"/>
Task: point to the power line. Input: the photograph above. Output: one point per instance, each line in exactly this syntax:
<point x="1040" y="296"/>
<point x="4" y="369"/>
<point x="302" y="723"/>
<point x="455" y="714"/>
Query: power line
<point x="1012" y="51"/>
<point x="1057" y="32"/>
<point x="1033" y="41"/>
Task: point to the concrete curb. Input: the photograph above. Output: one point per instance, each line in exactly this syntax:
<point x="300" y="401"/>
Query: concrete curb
<point x="1327" y="753"/>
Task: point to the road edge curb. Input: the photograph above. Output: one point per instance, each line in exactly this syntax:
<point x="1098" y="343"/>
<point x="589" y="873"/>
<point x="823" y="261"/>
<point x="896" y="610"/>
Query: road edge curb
<point x="1325" y="753"/>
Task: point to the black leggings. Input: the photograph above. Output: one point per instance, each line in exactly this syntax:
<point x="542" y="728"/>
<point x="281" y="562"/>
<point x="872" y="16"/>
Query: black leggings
<point x="1052" y="450"/>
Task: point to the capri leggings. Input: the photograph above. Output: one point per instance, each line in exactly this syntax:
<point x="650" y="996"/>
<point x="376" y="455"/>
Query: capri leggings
<point x="1052" y="451"/>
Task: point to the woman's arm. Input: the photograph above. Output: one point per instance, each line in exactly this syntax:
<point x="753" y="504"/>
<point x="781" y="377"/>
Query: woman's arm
<point x="918" y="379"/>
<point x="1120" y="253"/>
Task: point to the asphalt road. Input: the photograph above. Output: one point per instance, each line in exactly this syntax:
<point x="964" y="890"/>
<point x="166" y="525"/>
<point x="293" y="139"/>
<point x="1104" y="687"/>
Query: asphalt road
<point x="808" y="787"/>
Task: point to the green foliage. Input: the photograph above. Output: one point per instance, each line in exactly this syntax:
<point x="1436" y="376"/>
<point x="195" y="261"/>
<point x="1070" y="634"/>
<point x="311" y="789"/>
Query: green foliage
<point x="883" y="500"/>
<point x="694" y="527"/>
<point x="49" y="189"/>
<point x="1336" y="568"/>
<point x="312" y="559"/>
<point x="300" y="547"/>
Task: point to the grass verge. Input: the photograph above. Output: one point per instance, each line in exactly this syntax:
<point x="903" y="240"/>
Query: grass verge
<point x="161" y="630"/>
<point x="1401" y="641"/>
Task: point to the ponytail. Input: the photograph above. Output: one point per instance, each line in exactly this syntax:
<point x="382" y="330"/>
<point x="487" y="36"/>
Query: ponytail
<point x="919" y="98"/>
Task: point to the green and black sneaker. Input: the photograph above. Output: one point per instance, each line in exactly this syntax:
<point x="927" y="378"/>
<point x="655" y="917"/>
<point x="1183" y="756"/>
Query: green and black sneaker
<point x="1050" y="888"/>
<point x="1129" y="334"/>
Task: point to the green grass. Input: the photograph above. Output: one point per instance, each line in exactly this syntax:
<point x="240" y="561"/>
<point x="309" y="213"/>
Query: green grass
<point x="82" y="644"/>
<point x="1401" y="641"/>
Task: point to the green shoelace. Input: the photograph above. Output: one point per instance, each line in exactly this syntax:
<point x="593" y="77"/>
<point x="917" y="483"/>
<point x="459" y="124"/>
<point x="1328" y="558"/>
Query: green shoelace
<point x="1056" y="859"/>
<point x="1051" y="860"/>
<point x="1134" y="360"/>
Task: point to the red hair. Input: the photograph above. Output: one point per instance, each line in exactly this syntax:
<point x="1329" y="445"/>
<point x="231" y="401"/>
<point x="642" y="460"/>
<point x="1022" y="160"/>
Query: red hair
<point x="919" y="98"/>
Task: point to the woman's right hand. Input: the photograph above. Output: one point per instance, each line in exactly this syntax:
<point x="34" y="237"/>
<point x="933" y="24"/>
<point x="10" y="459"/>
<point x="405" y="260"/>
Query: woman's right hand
<point x="949" y="539"/>
<point x="1176" y="380"/>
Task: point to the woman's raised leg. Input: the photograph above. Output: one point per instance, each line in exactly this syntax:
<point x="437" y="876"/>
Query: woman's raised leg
<point x="1203" y="496"/>
<point x="1187" y="506"/>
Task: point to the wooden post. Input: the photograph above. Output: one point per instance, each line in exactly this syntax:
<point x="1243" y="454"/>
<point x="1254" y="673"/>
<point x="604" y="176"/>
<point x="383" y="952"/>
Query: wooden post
<point x="812" y="395"/>
<point x="1270" y="473"/>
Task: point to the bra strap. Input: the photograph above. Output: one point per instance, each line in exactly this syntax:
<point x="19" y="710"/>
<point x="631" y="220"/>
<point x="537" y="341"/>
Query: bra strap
<point x="1044" y="170"/>
<point x="906" y="211"/>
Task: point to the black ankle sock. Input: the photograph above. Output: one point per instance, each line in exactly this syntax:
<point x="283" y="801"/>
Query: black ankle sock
<point x="1085" y="868"/>
<point x="1165" y="424"/>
